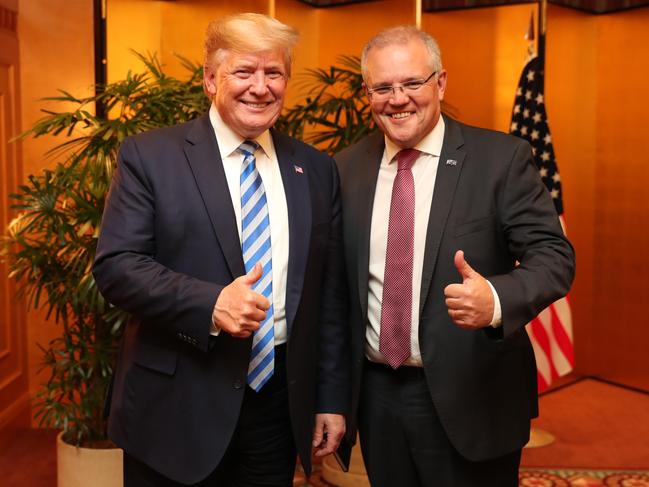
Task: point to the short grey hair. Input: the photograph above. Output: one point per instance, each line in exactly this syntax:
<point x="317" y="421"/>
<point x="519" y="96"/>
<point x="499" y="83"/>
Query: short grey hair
<point x="402" y="34"/>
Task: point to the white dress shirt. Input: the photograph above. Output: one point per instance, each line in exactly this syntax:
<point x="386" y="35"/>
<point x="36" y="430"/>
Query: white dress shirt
<point x="268" y="167"/>
<point x="424" y="171"/>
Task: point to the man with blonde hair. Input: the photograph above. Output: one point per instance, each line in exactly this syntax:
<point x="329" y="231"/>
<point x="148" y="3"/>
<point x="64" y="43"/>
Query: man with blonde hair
<point x="221" y="237"/>
<point x="437" y="216"/>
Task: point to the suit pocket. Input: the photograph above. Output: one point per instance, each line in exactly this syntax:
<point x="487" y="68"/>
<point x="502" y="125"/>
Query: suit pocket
<point x="488" y="222"/>
<point x="156" y="358"/>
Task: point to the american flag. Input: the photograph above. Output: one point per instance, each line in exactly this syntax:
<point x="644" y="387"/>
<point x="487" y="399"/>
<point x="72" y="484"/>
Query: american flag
<point x="551" y="331"/>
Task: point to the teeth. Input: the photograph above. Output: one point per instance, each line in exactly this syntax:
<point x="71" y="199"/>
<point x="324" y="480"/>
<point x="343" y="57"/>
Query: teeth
<point x="401" y="115"/>
<point x="255" y="105"/>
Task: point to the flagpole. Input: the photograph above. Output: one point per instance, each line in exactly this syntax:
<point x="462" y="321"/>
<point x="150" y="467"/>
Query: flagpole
<point x="540" y="437"/>
<point x="542" y="20"/>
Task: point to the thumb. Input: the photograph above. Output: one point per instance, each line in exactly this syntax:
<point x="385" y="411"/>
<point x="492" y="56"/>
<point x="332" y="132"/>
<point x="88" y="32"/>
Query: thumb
<point x="462" y="266"/>
<point x="318" y="433"/>
<point x="252" y="276"/>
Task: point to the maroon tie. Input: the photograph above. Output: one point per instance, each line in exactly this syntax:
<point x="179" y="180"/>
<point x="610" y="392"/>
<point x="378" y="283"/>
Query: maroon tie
<point x="396" y="308"/>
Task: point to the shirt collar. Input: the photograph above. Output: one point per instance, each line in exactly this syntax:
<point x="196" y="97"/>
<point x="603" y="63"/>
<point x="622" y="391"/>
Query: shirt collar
<point x="229" y="141"/>
<point x="430" y="144"/>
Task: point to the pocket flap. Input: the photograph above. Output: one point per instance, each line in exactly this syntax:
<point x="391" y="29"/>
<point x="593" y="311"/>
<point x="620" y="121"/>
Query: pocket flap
<point x="155" y="357"/>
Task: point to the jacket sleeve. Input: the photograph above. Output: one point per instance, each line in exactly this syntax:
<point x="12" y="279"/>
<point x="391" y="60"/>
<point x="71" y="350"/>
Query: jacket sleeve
<point x="125" y="267"/>
<point x="535" y="237"/>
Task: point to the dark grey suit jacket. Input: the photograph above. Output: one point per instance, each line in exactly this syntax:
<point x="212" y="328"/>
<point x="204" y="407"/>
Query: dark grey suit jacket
<point x="490" y="202"/>
<point x="168" y="246"/>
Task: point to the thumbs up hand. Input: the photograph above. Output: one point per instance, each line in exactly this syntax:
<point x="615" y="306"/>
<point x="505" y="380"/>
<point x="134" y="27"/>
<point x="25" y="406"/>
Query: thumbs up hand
<point x="239" y="310"/>
<point x="470" y="304"/>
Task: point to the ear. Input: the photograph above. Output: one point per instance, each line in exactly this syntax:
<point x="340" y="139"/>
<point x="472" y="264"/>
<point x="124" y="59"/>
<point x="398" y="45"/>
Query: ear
<point x="441" y="83"/>
<point x="209" y="80"/>
<point x="365" y="89"/>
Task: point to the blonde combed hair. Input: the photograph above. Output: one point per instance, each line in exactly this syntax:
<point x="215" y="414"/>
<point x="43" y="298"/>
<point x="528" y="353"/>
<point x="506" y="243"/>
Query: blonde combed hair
<point x="248" y="33"/>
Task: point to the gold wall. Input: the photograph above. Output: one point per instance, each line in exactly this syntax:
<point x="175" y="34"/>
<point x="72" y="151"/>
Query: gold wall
<point x="596" y="73"/>
<point x="55" y="40"/>
<point x="14" y="393"/>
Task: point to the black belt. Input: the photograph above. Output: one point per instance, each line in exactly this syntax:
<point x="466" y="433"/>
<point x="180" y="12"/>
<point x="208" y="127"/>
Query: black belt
<point x="404" y="371"/>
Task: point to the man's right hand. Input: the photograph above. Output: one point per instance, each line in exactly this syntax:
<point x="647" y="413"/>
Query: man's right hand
<point x="239" y="310"/>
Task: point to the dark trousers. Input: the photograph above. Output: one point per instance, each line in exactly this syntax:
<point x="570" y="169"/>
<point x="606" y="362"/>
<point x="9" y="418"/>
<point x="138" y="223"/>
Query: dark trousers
<point x="262" y="451"/>
<point x="404" y="444"/>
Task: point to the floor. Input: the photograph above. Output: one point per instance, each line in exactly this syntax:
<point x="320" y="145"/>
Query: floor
<point x="597" y="425"/>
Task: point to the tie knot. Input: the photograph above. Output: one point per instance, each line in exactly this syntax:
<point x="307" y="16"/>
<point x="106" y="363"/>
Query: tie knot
<point x="248" y="147"/>
<point x="406" y="158"/>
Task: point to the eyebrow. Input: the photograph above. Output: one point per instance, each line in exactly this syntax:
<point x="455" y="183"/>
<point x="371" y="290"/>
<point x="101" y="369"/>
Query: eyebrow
<point x="404" y="80"/>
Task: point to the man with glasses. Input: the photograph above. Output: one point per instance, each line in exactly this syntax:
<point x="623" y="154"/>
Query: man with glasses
<point x="452" y="245"/>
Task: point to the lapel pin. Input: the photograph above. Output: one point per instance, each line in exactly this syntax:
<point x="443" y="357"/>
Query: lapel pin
<point x="298" y="169"/>
<point x="451" y="162"/>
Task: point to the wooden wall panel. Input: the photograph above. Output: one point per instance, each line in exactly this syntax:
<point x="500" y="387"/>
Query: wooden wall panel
<point x="56" y="52"/>
<point x="619" y="334"/>
<point x="14" y="396"/>
<point x="571" y="101"/>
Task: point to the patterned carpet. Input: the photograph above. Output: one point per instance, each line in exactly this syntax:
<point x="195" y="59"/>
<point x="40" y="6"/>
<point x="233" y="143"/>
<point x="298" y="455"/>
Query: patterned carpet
<point x="583" y="478"/>
<point x="534" y="478"/>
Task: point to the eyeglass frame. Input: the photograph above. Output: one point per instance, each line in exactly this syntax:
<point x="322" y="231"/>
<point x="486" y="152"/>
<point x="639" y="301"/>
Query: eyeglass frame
<point x="404" y="89"/>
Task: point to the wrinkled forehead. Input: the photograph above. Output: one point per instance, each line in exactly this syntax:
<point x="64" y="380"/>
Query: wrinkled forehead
<point x="277" y="58"/>
<point x="397" y="61"/>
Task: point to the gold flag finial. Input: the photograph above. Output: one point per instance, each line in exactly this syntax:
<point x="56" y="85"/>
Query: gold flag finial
<point x="529" y="37"/>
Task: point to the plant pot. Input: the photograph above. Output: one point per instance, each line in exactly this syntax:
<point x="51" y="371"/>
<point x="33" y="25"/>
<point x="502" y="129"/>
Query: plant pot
<point x="80" y="467"/>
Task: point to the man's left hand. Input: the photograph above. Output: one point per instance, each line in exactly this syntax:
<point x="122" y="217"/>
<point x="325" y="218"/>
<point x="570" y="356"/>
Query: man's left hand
<point x="327" y="433"/>
<point x="470" y="304"/>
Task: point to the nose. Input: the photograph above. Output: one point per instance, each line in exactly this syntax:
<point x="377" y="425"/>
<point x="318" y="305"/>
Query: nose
<point x="258" y="84"/>
<point x="398" y="96"/>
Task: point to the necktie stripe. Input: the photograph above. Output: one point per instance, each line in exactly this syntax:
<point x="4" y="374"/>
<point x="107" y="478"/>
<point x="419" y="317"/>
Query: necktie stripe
<point x="259" y="206"/>
<point x="254" y="228"/>
<point x="264" y="283"/>
<point x="261" y="369"/>
<point x="261" y="248"/>
<point x="268" y="290"/>
<point x="265" y="342"/>
<point x="256" y="248"/>
<point x="254" y="242"/>
<point x="252" y="193"/>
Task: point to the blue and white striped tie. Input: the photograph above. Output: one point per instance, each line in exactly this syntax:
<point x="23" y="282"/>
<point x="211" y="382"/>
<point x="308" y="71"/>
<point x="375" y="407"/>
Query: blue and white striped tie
<point x="255" y="245"/>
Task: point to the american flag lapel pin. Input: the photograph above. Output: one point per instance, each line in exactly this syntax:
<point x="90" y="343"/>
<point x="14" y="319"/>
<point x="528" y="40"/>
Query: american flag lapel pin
<point x="298" y="169"/>
<point x="451" y="162"/>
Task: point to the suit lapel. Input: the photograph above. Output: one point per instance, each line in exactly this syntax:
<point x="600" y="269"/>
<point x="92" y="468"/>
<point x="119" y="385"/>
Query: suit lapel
<point x="448" y="174"/>
<point x="202" y="151"/>
<point x="367" y="172"/>
<point x="295" y="179"/>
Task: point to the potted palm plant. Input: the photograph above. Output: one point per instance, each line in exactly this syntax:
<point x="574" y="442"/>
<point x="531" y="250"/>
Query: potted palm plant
<point x="50" y="245"/>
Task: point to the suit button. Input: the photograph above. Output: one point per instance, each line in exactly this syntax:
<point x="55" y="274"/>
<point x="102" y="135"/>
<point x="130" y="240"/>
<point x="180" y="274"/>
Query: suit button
<point x="238" y="384"/>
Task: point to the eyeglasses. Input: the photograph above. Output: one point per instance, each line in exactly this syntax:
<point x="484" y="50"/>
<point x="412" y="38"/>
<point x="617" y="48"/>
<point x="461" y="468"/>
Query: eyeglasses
<point x="385" y="92"/>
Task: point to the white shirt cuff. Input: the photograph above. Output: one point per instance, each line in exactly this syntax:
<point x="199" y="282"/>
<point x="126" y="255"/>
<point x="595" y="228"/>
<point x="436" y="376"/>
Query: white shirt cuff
<point x="215" y="330"/>
<point x="497" y="318"/>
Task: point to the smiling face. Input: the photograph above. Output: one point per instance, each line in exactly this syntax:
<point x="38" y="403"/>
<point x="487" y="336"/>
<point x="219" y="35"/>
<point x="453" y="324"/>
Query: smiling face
<point x="248" y="90"/>
<point x="404" y="117"/>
